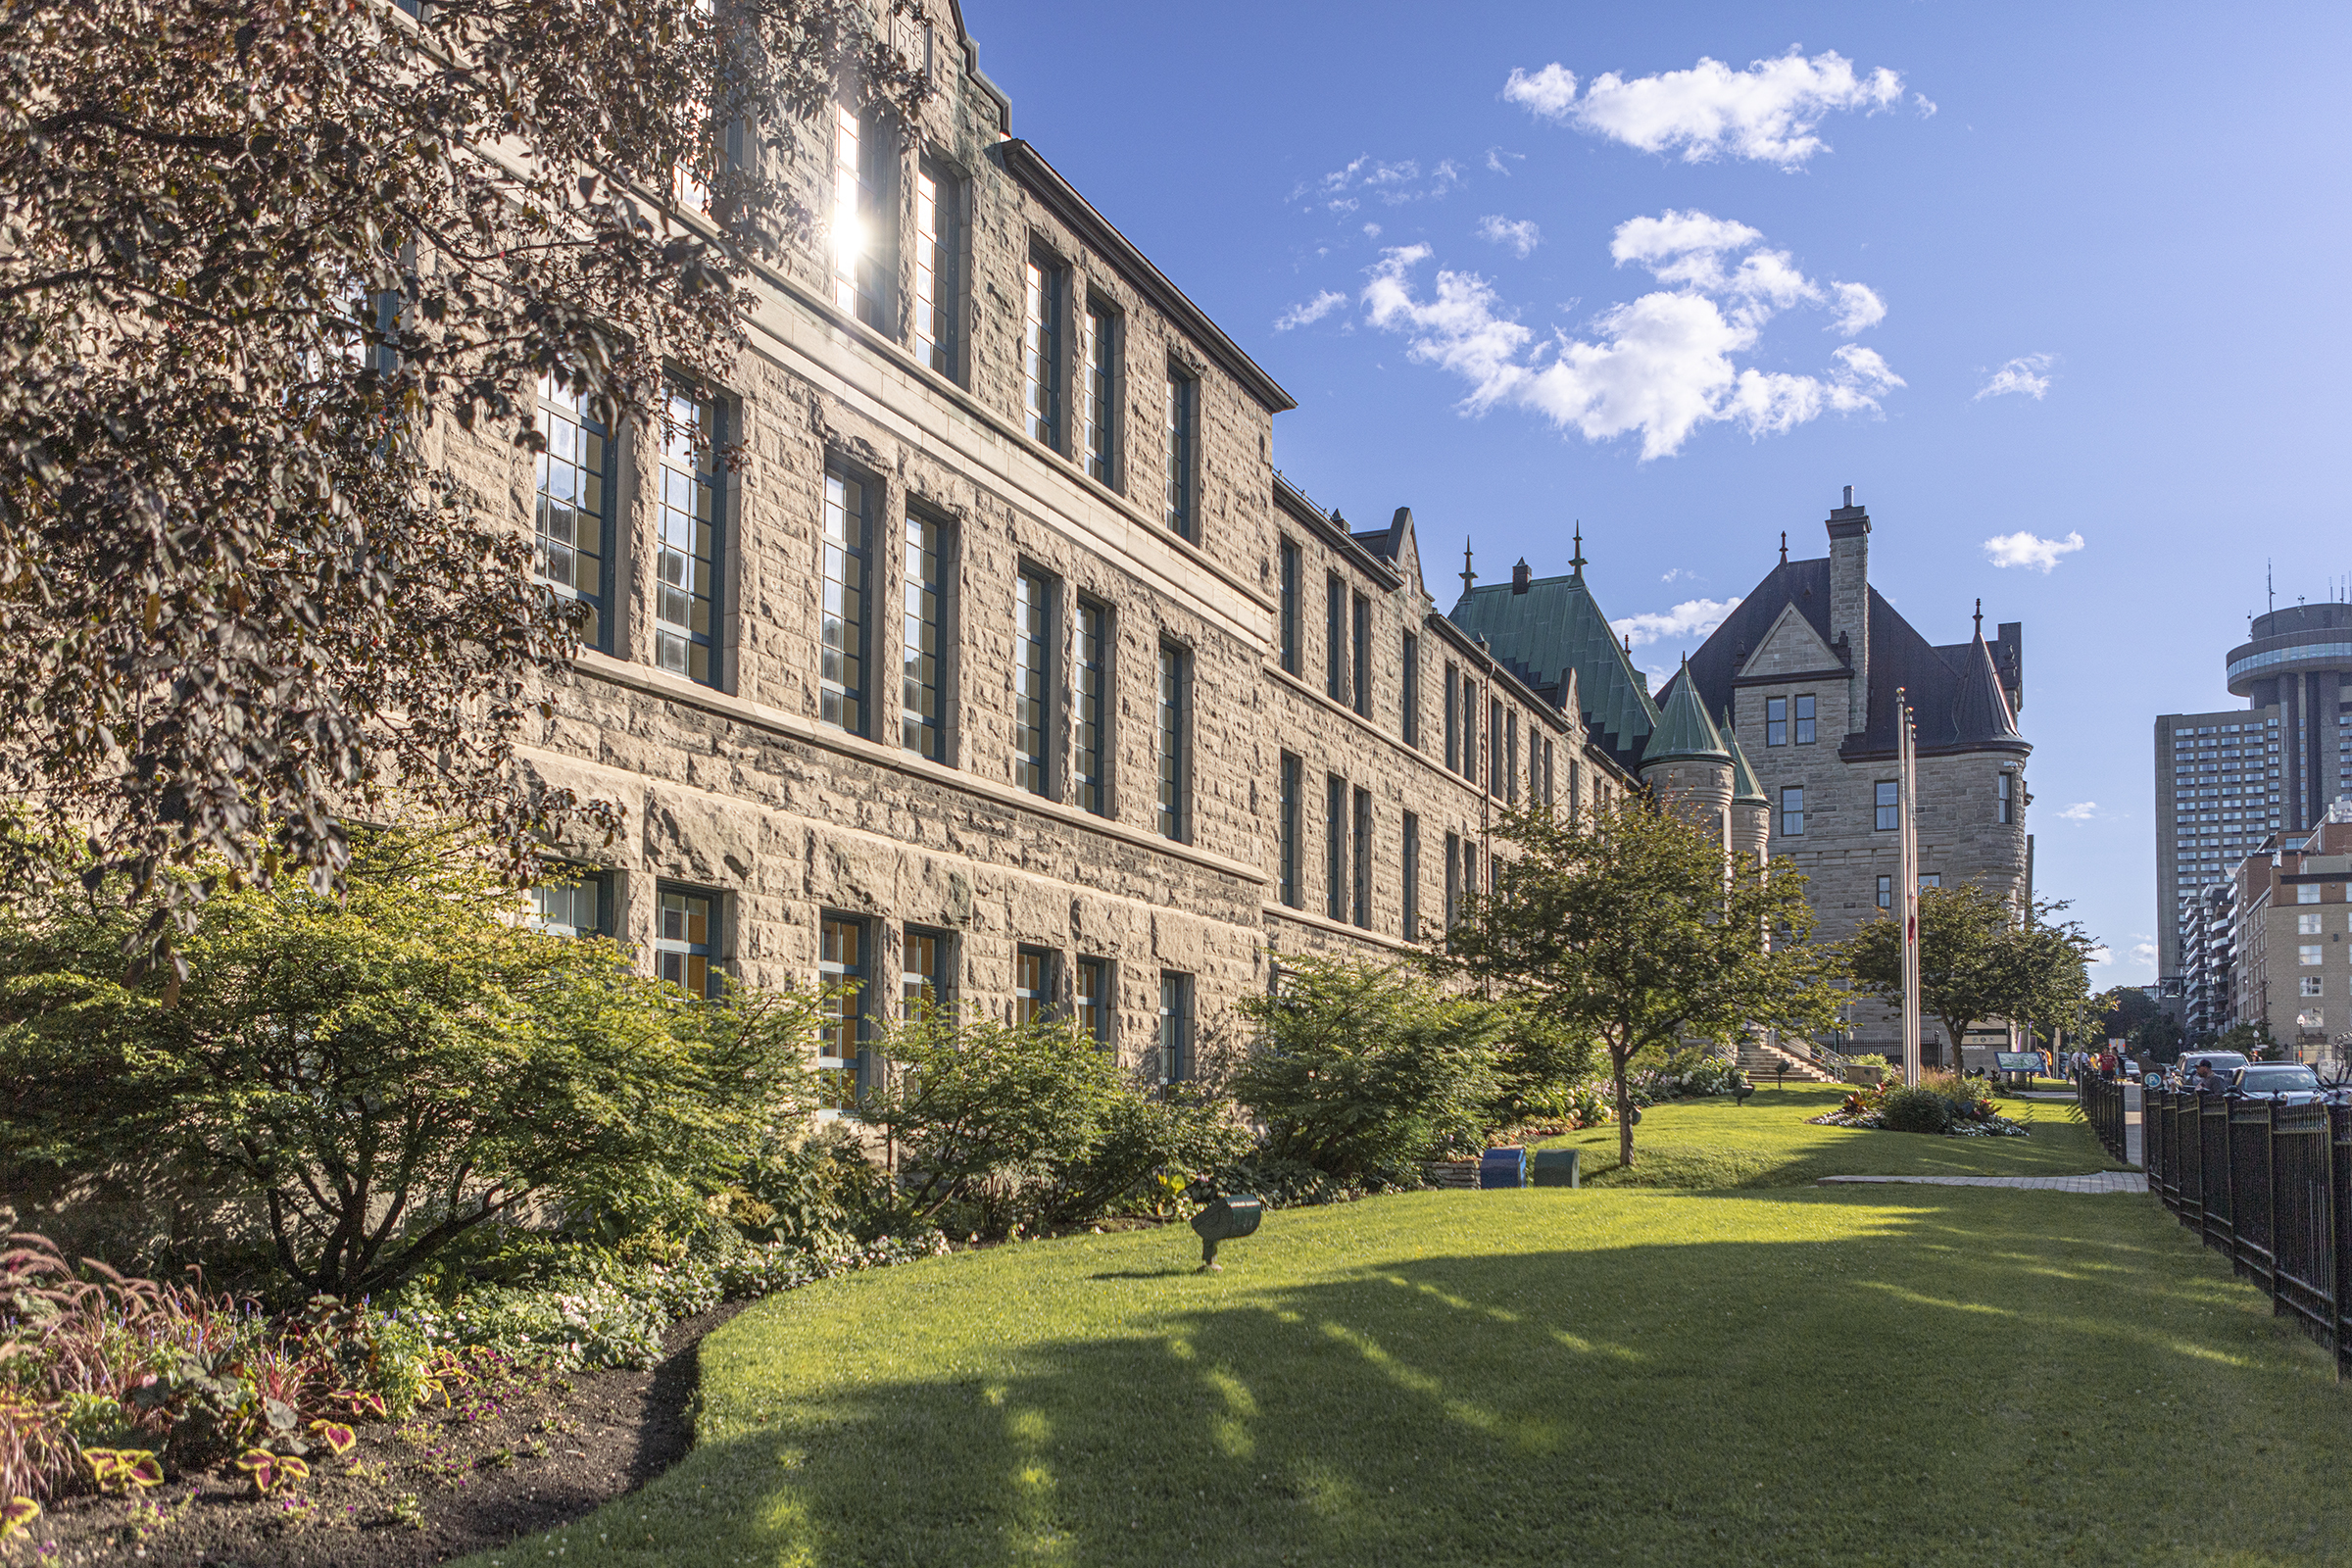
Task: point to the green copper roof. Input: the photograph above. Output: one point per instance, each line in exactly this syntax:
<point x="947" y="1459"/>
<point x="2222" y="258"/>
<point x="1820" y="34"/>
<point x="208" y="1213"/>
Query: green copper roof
<point x="1553" y="628"/>
<point x="1684" y="728"/>
<point x="1745" y="791"/>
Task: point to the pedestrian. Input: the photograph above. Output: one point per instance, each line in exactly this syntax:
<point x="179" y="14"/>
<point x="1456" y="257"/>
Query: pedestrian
<point x="2204" y="1081"/>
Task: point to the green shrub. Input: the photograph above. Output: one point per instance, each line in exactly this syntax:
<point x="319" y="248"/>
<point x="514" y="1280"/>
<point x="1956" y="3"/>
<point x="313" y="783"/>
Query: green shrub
<point x="1915" y="1110"/>
<point x="1869" y="1058"/>
<point x="1367" y="1073"/>
<point x="385" y="1072"/>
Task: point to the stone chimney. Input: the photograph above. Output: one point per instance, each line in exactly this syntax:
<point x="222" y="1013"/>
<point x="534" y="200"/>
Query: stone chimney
<point x="1849" y="602"/>
<point x="1521" y="576"/>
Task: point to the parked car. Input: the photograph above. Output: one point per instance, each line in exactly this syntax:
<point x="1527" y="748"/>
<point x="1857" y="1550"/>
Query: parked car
<point x="2290" y="1082"/>
<point x="2225" y="1064"/>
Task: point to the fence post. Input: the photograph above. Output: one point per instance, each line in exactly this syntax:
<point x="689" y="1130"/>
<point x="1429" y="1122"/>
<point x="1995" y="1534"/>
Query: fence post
<point x="2270" y="1180"/>
<point x="2331" y="1207"/>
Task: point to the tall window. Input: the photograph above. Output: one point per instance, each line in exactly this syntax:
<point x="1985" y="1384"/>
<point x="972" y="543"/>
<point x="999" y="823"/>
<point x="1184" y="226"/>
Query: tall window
<point x="1335" y="639"/>
<point x="1885" y="893"/>
<point x="580" y="906"/>
<point x="1363" y="859"/>
<point x="1453" y="721"/>
<point x="1032" y="985"/>
<point x="862" y="210"/>
<point x="925" y="640"/>
<point x="1453" y="878"/>
<point x="1089" y="998"/>
<point x="1497" y="777"/>
<point x="1409" y="876"/>
<point x="842" y="1064"/>
<point x="1776" y="721"/>
<point x="841" y="632"/>
<point x="1183" y="410"/>
<point x="923" y="969"/>
<point x="687" y="529"/>
<point x="1408" y="693"/>
<point x="1091" y="752"/>
<point x="574" y="512"/>
<point x="1548" y="797"/>
<point x="1804" y="720"/>
<point x="2006" y="802"/>
<point x="686" y="941"/>
<point x="1033" y="700"/>
<point x="938" y="265"/>
<point x="1510" y="754"/>
<point x="1291" y="589"/>
<point x="1335" y="846"/>
<point x="1175" y="1026"/>
<point x="1930" y="880"/>
<point x="1175" y="742"/>
<point x="1887" y="804"/>
<point x="1286" y="830"/>
<point x="1469" y="728"/>
<point x="1041" y="352"/>
<point x="1097" y="415"/>
<point x="1792" y="809"/>
<point x="1360" y="665"/>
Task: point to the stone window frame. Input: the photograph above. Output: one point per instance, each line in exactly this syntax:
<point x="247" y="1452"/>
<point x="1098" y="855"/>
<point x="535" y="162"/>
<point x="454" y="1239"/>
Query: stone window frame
<point x="1095" y="996"/>
<point x="1180" y="452"/>
<point x="1360" y="833"/>
<point x="938" y="978"/>
<point x="854" y="983"/>
<point x="546" y="405"/>
<point x="1801" y="718"/>
<point x="1045" y="643"/>
<point x="1044" y="345"/>
<point x="1175" y="1035"/>
<point x="1101" y="392"/>
<point x="1408" y="865"/>
<point x="1290" y="585"/>
<point x="1172" y="740"/>
<point x="948" y="552"/>
<point x="1776" y="721"/>
<point x="941" y="348"/>
<point x="1100" y="783"/>
<point x="1408" y="690"/>
<point x="1036" y="983"/>
<point x="1335" y="637"/>
<point x="2005" y="799"/>
<point x="861" y="550"/>
<point x="1335" y="846"/>
<point x="1291" y="776"/>
<point x="1793" y="814"/>
<point x="724" y="412"/>
<point x="1887" y="805"/>
<point x="600" y="880"/>
<point x="1453" y="718"/>
<point x="1359" y="659"/>
<point x="1885" y="893"/>
<point x="683" y="948"/>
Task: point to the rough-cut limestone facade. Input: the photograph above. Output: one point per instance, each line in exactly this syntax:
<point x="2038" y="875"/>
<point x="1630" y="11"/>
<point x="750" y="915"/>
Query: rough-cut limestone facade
<point x="742" y="792"/>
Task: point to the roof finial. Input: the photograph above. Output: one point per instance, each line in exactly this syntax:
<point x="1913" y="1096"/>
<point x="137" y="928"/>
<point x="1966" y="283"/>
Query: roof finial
<point x="1576" y="562"/>
<point x="1783" y="547"/>
<point x="1629" y="645"/>
<point x="1980" y="620"/>
<point x="1468" y="576"/>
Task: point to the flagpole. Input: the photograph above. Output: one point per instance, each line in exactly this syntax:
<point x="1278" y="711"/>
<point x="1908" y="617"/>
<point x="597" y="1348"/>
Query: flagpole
<point x="1909" y="839"/>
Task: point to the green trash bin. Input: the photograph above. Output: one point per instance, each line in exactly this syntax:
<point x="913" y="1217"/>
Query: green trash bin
<point x="1555" y="1168"/>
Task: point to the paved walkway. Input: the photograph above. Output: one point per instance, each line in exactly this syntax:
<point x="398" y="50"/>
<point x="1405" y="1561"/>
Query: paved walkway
<point x="2106" y="1181"/>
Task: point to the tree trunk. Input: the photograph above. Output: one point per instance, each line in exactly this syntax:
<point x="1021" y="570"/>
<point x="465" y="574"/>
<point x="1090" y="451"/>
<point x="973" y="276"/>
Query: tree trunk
<point x="1625" y="1109"/>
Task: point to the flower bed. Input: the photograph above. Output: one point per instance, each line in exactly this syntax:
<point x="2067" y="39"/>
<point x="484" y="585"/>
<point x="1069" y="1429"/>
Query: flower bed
<point x="1940" y="1103"/>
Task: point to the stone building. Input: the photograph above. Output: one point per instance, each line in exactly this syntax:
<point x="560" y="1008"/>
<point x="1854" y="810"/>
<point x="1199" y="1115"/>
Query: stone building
<point x="2292" y="961"/>
<point x="1000" y="666"/>
<point x="1804" y="675"/>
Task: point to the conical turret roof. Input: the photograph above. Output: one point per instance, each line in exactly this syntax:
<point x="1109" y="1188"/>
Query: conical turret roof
<point x="1745" y="791"/>
<point x="1981" y="711"/>
<point x="1684" y="733"/>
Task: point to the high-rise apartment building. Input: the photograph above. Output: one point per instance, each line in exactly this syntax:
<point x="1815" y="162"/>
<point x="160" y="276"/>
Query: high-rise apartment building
<point x="2226" y="780"/>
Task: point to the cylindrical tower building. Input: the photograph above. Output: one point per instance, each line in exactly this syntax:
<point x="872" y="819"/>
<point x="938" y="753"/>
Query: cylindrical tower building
<point x="2300" y="660"/>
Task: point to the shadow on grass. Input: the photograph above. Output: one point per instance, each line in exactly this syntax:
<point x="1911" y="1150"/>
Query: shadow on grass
<point x="1939" y="1381"/>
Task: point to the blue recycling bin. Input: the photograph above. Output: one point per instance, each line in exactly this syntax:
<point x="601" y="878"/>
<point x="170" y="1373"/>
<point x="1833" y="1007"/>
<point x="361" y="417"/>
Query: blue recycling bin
<point x="1502" y="1167"/>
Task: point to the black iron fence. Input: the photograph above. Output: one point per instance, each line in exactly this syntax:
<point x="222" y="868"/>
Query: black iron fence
<point x="2103" y="1107"/>
<point x="2268" y="1186"/>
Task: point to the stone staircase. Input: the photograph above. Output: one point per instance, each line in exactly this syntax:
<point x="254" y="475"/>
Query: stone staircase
<point x="1761" y="1062"/>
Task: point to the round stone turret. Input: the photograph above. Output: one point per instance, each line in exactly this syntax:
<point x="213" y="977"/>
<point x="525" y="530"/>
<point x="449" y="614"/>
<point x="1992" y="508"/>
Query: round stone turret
<point x="1751" y="808"/>
<point x="1686" y="763"/>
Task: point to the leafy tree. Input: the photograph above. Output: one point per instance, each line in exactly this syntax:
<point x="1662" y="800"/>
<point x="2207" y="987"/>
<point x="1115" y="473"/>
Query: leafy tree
<point x="250" y="253"/>
<point x="2119" y="1012"/>
<point x="1625" y="924"/>
<point x="384" y="1072"/>
<point x="2159" y="1037"/>
<point x="1366" y="1070"/>
<point x="1979" y="962"/>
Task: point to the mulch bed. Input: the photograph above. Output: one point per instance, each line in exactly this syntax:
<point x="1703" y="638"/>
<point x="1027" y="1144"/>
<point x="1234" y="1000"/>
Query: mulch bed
<point x="492" y="1466"/>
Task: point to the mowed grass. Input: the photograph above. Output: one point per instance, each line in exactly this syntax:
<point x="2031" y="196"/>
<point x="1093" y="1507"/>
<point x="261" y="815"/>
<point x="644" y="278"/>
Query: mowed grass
<point x="1832" y="1374"/>
<point x="1769" y="1142"/>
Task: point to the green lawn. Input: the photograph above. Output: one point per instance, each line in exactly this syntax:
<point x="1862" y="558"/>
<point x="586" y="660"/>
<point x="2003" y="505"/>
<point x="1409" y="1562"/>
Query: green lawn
<point x="1900" y="1375"/>
<point x="1769" y="1142"/>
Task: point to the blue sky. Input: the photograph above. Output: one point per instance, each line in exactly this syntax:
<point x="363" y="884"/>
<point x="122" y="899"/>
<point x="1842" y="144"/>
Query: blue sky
<point x="2129" y="223"/>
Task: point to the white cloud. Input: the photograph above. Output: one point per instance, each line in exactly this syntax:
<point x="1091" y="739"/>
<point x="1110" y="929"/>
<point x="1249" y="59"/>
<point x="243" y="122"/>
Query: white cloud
<point x="1662" y="364"/>
<point x="2080" y="812"/>
<point x="1311" y="312"/>
<point x="1499" y="162"/>
<point x="1675" y="572"/>
<point x="2144" y="954"/>
<point x="2092" y="957"/>
<point x="2021" y="374"/>
<point x="2023" y="548"/>
<point x="1520" y="234"/>
<point x="1549" y="92"/>
<point x="1693" y="619"/>
<point x="1859" y="309"/>
<point x="1767" y="113"/>
<point x="1393" y="184"/>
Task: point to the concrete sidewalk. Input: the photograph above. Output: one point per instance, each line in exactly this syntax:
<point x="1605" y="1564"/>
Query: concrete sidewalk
<point x="2106" y="1181"/>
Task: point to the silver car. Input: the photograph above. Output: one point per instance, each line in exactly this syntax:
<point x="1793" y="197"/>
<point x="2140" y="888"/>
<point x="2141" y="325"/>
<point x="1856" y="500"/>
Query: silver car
<point x="2290" y="1082"/>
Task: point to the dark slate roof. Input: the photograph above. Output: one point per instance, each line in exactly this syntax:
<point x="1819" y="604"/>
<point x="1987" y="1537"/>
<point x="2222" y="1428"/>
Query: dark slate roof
<point x="1386" y="542"/>
<point x="1956" y="691"/>
<point x="1684" y="730"/>
<point x="1553" y="628"/>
